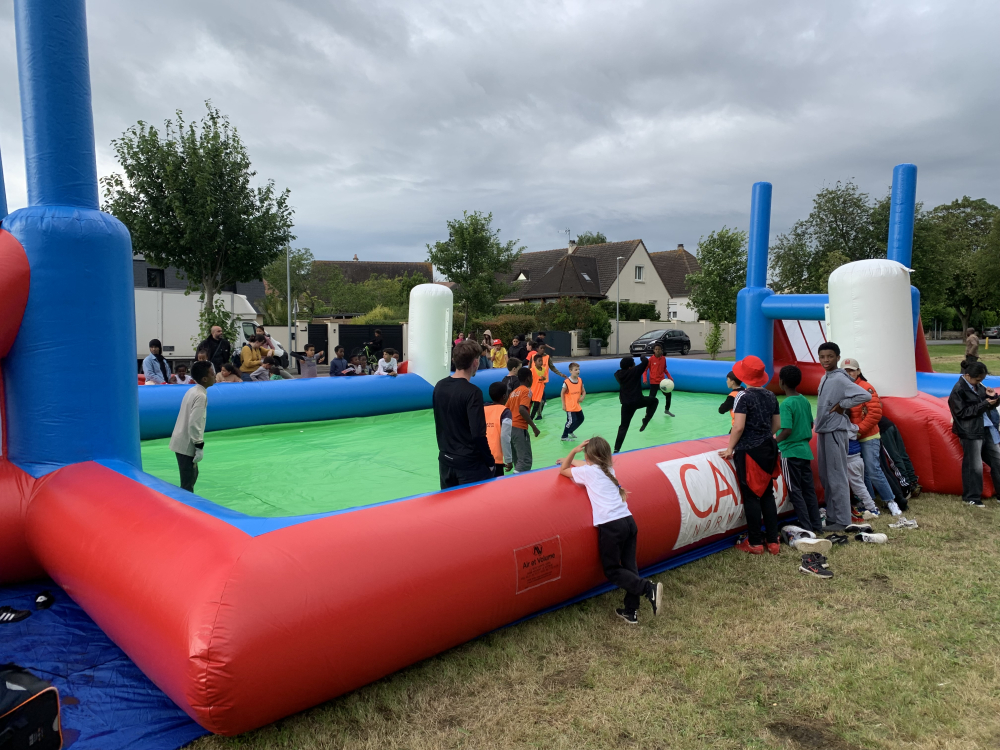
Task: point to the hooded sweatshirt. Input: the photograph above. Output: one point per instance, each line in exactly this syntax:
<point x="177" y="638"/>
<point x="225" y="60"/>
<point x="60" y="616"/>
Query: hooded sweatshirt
<point x="837" y="388"/>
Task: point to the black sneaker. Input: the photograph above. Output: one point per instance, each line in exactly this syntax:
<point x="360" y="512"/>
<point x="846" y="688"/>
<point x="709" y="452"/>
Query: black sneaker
<point x="975" y="503"/>
<point x="821" y="559"/>
<point x="838" y="539"/>
<point x="654" y="593"/>
<point x="812" y="567"/>
<point x="859" y="528"/>
<point x="9" y="614"/>
<point x="628" y="615"/>
<point x="643" y="425"/>
<point x="44" y="600"/>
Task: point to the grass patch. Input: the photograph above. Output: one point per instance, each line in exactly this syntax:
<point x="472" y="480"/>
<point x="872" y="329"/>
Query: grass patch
<point x="899" y="650"/>
<point x="948" y="357"/>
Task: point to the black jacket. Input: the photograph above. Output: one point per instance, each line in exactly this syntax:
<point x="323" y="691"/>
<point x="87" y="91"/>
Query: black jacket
<point x="630" y="382"/>
<point x="219" y="351"/>
<point x="967" y="409"/>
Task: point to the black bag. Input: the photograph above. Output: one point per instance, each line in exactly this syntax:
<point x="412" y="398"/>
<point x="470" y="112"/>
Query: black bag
<point x="29" y="711"/>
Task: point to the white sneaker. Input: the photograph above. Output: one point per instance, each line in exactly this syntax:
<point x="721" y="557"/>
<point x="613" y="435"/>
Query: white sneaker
<point x="870" y="514"/>
<point x="871" y="538"/>
<point x="567" y="439"/>
<point x="893" y="508"/>
<point x="807" y="545"/>
<point x="904" y="523"/>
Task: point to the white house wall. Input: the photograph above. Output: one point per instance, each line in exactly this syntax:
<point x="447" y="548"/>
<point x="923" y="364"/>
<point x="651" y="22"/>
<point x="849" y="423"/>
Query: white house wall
<point x="649" y="290"/>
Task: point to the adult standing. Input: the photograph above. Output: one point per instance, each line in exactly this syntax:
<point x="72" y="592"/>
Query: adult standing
<point x="518" y="350"/>
<point x="971" y="347"/>
<point x="154" y="366"/>
<point x="464" y="454"/>
<point x="218" y="347"/>
<point x="755" y="453"/>
<point x="376" y="346"/>
<point x="630" y="396"/>
<point x="975" y="422"/>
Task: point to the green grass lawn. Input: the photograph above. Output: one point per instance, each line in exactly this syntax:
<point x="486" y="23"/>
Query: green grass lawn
<point x="901" y="649"/>
<point x="948" y="357"/>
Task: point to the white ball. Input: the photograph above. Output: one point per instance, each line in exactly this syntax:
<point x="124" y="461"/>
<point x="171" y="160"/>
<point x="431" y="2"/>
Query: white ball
<point x="666" y="385"/>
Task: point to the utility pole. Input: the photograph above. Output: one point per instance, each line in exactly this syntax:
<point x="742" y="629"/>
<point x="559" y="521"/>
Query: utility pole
<point x="288" y="306"/>
<point x="618" y="306"/>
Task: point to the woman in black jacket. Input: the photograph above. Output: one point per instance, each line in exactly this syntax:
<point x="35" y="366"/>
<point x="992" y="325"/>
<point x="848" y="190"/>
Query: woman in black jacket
<point x="975" y="422"/>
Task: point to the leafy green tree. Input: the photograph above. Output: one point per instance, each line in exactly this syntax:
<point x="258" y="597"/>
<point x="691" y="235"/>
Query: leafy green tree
<point x="476" y="260"/>
<point x="591" y="238"/>
<point x="275" y="274"/>
<point x="723" y="259"/>
<point x="187" y="200"/>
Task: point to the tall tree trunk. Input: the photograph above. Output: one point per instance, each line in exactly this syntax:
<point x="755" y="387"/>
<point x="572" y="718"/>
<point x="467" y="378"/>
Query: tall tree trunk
<point x="965" y="313"/>
<point x="208" y="285"/>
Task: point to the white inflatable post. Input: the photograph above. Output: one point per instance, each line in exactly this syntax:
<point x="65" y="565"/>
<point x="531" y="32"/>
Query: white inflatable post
<point x="429" y="339"/>
<point x="871" y="320"/>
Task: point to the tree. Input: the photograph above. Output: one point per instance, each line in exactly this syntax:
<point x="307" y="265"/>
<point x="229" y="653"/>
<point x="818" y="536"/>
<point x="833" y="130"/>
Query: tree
<point x="971" y="254"/>
<point x="276" y="276"/>
<point x="187" y="201"/>
<point x="591" y="238"/>
<point x="474" y="258"/>
<point x="723" y="259"/>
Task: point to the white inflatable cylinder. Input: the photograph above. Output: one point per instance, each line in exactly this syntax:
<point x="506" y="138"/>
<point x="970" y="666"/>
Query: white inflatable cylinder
<point x="872" y="321"/>
<point x="429" y="339"/>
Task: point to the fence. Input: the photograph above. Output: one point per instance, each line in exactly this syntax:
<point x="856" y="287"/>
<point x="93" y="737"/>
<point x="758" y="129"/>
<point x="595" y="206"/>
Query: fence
<point x="697" y="332"/>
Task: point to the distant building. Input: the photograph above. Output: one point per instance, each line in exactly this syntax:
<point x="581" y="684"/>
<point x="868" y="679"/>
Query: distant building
<point x="148" y="276"/>
<point x="673" y="267"/>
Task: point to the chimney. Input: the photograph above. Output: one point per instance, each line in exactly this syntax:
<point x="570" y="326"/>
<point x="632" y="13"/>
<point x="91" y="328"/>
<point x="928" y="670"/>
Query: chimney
<point x="356" y="255"/>
<point x="680" y="246"/>
<point x="571" y="248"/>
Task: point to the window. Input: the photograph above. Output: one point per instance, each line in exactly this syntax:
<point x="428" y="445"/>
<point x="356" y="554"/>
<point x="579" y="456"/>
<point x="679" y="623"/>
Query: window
<point x="673" y="314"/>
<point x="154" y="278"/>
<point x="523" y="276"/>
<point x="638" y="272"/>
<point x="585" y="276"/>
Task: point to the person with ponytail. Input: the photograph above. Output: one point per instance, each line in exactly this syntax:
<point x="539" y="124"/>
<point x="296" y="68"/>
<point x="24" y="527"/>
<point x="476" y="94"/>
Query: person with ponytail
<point x="616" y="529"/>
<point x="155" y="367"/>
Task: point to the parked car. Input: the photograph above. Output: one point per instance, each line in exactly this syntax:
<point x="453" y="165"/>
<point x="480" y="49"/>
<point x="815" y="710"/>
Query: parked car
<point x="992" y="332"/>
<point x="671" y="341"/>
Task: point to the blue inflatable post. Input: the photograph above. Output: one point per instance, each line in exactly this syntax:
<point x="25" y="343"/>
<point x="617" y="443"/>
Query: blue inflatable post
<point x="902" y="212"/>
<point x="3" y="193"/>
<point x="70" y="378"/>
<point x="754" y="332"/>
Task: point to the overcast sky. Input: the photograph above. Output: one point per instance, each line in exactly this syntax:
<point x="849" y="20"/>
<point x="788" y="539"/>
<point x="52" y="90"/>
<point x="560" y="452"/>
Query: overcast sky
<point x="639" y="119"/>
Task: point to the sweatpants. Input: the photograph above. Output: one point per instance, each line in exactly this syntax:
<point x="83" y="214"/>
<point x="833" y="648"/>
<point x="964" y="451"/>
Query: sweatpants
<point x="616" y="542"/>
<point x="455" y="475"/>
<point x="520" y="448"/>
<point x="654" y="391"/>
<point x="498" y="470"/>
<point x="974" y="454"/>
<point x="189" y="471"/>
<point x="573" y="420"/>
<point x="628" y="411"/>
<point x="832" y="450"/>
<point x="875" y="481"/>
<point x="761" y="506"/>
<point x="856" y="480"/>
<point x="802" y="493"/>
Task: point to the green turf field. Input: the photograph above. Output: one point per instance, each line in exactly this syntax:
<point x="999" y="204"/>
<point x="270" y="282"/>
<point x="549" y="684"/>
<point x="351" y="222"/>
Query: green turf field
<point x="312" y="467"/>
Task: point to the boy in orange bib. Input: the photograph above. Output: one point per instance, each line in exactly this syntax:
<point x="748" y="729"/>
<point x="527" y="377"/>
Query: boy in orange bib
<point x="573" y="394"/>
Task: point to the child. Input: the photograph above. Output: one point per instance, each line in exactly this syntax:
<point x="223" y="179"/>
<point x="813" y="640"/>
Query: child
<point x="796" y="455"/>
<point x="188" y="438"/>
<point x="363" y="367"/>
<point x="540" y="378"/>
<point x="228" y="374"/>
<point x="155" y="367"/>
<point x="387" y="365"/>
<point x="266" y="371"/>
<point x="511" y="382"/>
<point x="181" y="377"/>
<point x="735" y="388"/>
<point x="573" y="393"/>
<point x="616" y="529"/>
<point x="201" y="355"/>
<point x="498" y="426"/>
<point x="498" y="354"/>
<point x="856" y="475"/>
<point x="339" y="366"/>
<point x="630" y="396"/>
<point x="518" y="403"/>
<point x="308" y="361"/>
<point x="656" y="374"/>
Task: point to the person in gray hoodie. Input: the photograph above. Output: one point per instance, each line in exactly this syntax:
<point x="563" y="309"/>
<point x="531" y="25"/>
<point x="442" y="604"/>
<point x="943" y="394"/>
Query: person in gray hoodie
<point x="837" y="393"/>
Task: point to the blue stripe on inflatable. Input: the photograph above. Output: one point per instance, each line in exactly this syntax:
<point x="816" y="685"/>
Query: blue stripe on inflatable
<point x="940" y="383"/>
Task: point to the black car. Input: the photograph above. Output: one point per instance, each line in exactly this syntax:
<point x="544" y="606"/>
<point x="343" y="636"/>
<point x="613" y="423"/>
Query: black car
<point x="671" y="341"/>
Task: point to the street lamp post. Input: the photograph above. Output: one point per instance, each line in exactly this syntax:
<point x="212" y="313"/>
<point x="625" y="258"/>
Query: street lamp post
<point x="618" y="305"/>
<point x="288" y="306"/>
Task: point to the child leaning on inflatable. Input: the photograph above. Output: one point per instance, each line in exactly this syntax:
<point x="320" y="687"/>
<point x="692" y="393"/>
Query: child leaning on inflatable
<point x="616" y="529"/>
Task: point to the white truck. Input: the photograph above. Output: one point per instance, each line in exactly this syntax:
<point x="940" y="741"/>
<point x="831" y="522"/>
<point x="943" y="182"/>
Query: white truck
<point x="172" y="317"/>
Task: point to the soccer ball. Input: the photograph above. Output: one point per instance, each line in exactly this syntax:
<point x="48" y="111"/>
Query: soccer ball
<point x="666" y="385"/>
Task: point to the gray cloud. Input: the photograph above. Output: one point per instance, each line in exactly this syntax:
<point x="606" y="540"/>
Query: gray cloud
<point x="639" y="119"/>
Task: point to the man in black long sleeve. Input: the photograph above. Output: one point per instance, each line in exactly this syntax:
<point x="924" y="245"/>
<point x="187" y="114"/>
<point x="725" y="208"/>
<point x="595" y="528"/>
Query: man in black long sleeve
<point x="629" y="379"/>
<point x="218" y="347"/>
<point x="464" y="454"/>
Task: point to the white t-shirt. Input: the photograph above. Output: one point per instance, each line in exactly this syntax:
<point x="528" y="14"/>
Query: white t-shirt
<point x="384" y="368"/>
<point x="605" y="500"/>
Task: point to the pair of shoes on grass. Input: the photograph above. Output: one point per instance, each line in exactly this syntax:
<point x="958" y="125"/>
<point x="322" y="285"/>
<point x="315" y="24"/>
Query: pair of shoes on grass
<point x="654" y="595"/>
<point x="815" y="564"/>
<point x="904" y="523"/>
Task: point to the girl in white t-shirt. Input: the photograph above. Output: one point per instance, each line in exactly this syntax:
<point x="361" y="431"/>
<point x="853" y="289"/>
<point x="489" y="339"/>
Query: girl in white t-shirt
<point x="616" y="529"/>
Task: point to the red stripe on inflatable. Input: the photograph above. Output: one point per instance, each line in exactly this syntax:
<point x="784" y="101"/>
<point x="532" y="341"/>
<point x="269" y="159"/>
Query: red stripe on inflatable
<point x="15" y="277"/>
<point x="921" y="354"/>
<point x="16" y="560"/>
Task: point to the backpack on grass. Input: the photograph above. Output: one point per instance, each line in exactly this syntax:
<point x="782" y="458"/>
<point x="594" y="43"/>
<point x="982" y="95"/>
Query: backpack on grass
<point x="29" y="711"/>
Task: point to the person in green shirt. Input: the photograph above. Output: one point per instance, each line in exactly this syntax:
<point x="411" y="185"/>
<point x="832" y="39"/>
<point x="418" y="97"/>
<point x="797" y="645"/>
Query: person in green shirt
<point x="796" y="455"/>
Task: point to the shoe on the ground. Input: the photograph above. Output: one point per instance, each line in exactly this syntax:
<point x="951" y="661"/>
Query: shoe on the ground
<point x="870" y="514"/>
<point x="975" y="503"/>
<point x="773" y="547"/>
<point x="904" y="523"/>
<point x="821" y="559"/>
<point x="9" y="615"/>
<point x="669" y="413"/>
<point x="834" y="527"/>
<point x="754" y="549"/>
<point x="813" y="567"/>
<point x="857" y="528"/>
<point x="791" y="534"/>
<point x="904" y="505"/>
<point x="572" y="436"/>
<point x="566" y="439"/>
<point x="628" y="615"/>
<point x="894" y="508"/>
<point x="654" y="593"/>
<point x="838" y="539"/>
<point x="856" y="516"/>
<point x="44" y="600"/>
<point x="915" y="491"/>
<point x="808" y="546"/>
<point x="871" y="538"/>
<point x="643" y="425"/>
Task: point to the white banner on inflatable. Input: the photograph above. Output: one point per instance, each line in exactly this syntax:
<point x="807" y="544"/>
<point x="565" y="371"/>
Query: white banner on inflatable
<point x="709" y="496"/>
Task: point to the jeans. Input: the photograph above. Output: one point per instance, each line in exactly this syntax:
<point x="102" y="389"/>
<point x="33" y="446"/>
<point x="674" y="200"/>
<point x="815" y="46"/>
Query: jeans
<point x="875" y="481"/>
<point x="573" y="420"/>
<point x="455" y="475"/>
<point x="616" y="541"/>
<point x="189" y="471"/>
<point x="763" y="505"/>
<point x="802" y="493"/>
<point x="628" y="411"/>
<point x="974" y="454"/>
